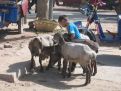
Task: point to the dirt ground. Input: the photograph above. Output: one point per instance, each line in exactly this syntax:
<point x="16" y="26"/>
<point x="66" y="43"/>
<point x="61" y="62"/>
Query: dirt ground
<point x="108" y="77"/>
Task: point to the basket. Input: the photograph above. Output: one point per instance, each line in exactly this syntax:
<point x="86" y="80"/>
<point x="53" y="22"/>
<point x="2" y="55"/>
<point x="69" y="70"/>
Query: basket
<point x="45" y="25"/>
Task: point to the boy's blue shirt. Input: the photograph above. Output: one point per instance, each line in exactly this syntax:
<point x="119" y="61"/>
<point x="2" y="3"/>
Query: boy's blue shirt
<point x="72" y="28"/>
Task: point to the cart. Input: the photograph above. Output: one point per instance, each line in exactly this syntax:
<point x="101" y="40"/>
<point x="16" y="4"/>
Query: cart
<point x="13" y="11"/>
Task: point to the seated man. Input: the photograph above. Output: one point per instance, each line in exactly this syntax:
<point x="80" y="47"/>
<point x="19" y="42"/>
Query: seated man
<point x="73" y="32"/>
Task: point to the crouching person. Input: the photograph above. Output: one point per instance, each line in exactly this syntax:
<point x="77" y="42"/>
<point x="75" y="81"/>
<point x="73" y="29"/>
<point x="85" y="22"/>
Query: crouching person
<point x="73" y="32"/>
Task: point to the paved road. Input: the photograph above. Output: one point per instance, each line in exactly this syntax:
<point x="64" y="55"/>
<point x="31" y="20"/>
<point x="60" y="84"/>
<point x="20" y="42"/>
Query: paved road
<point x="74" y="14"/>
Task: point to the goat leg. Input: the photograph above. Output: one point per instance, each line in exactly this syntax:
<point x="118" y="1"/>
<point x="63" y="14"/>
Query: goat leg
<point x="40" y="61"/>
<point x="69" y="69"/>
<point x="49" y="65"/>
<point x="90" y="68"/>
<point x="64" y="68"/>
<point x="84" y="71"/>
<point x="59" y="64"/>
<point x="95" y="68"/>
<point x="32" y="67"/>
<point x="88" y="75"/>
<point x="90" y="72"/>
<point x="73" y="66"/>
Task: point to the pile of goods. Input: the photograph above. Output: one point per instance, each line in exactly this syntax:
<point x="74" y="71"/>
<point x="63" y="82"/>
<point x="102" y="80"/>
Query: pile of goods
<point x="44" y="25"/>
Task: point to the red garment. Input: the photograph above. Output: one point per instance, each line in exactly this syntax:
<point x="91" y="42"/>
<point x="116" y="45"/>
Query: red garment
<point x="25" y="7"/>
<point x="98" y="2"/>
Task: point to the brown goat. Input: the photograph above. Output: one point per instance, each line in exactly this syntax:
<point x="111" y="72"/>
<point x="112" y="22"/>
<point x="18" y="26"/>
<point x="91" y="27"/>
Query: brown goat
<point x="37" y="48"/>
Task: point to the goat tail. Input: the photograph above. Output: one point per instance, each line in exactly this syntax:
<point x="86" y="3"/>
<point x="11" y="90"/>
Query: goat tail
<point x="93" y="56"/>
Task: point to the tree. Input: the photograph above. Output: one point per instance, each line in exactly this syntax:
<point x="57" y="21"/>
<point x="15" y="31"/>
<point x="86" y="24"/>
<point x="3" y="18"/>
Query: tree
<point x="42" y="9"/>
<point x="45" y="9"/>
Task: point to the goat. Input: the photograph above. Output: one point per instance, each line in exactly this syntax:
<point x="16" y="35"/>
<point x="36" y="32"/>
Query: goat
<point x="91" y="43"/>
<point x="55" y="57"/>
<point x="75" y="52"/>
<point x="94" y="46"/>
<point x="42" y="47"/>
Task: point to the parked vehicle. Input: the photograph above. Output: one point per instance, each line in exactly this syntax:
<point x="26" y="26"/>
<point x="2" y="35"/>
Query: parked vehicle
<point x="12" y="11"/>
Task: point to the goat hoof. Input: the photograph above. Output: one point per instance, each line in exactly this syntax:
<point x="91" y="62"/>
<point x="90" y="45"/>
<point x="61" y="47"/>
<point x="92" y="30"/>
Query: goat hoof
<point x="41" y="70"/>
<point x="86" y="83"/>
<point x="69" y="75"/>
<point x="47" y="68"/>
<point x="64" y="76"/>
<point x="83" y="74"/>
<point x="59" y="69"/>
<point x="93" y="74"/>
<point x="32" y="70"/>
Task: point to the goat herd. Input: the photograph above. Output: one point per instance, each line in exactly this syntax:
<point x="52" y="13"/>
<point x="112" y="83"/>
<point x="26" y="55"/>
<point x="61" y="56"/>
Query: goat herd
<point x="56" y="48"/>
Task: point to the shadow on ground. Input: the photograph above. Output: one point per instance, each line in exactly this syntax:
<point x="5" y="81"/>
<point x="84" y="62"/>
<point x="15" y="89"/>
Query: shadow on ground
<point x="108" y="41"/>
<point x="19" y="68"/>
<point x="51" y="79"/>
<point x="4" y="33"/>
<point x="12" y="35"/>
<point x="109" y="60"/>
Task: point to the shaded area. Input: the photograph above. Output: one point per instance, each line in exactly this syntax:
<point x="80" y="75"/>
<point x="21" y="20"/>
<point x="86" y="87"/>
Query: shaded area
<point x="4" y="33"/>
<point x="108" y="18"/>
<point x="109" y="40"/>
<point x="12" y="35"/>
<point x="109" y="60"/>
<point x="67" y="9"/>
<point x="20" y="68"/>
<point x="52" y="79"/>
<point x="33" y="30"/>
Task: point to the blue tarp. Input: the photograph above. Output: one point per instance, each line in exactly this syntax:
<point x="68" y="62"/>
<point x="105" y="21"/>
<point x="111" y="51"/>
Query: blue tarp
<point x="11" y="15"/>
